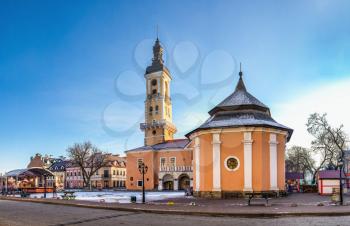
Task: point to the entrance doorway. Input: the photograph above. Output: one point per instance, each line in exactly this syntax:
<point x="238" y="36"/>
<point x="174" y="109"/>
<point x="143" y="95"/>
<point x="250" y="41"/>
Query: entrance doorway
<point x="168" y="182"/>
<point x="184" y="182"/>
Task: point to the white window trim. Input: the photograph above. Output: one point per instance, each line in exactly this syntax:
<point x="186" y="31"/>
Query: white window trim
<point x="170" y="160"/>
<point x="138" y="183"/>
<point x="160" y="161"/>
<point x="235" y="169"/>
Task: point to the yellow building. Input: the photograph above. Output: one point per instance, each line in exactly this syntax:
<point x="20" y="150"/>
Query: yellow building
<point x="169" y="160"/>
<point x="158" y="126"/>
<point x="240" y="148"/>
<point x="112" y="176"/>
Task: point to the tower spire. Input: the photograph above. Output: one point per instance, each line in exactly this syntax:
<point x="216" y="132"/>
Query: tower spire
<point x="240" y="85"/>
<point x="157" y="53"/>
<point x="240" y="70"/>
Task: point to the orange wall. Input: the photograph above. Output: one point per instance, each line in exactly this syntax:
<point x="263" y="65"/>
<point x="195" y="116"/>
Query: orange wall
<point x="231" y="144"/>
<point x="206" y="163"/>
<point x="152" y="160"/>
<point x="133" y="172"/>
<point x="262" y="146"/>
<point x="281" y="139"/>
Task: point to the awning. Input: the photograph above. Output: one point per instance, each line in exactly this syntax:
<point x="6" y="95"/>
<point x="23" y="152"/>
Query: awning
<point x="31" y="172"/>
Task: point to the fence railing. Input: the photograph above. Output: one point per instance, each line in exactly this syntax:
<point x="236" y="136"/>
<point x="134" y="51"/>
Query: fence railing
<point x="176" y="169"/>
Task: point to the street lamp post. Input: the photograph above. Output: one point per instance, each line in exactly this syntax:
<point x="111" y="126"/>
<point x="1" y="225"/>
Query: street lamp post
<point x="45" y="180"/>
<point x="340" y="164"/>
<point x="143" y="170"/>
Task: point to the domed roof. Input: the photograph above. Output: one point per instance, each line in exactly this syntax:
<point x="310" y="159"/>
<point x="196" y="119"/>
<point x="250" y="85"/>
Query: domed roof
<point x="240" y="99"/>
<point x="241" y="109"/>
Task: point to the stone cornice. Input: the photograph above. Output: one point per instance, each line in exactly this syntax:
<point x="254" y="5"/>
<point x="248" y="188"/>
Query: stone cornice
<point x="238" y="130"/>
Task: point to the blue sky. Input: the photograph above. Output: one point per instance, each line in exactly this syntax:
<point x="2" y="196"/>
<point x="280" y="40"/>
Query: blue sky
<point x="72" y="71"/>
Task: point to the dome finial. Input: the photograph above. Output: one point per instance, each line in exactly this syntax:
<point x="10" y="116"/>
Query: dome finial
<point x="240" y="70"/>
<point x="240" y="85"/>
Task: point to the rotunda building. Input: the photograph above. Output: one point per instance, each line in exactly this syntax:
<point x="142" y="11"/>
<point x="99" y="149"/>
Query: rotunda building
<point x="239" y="149"/>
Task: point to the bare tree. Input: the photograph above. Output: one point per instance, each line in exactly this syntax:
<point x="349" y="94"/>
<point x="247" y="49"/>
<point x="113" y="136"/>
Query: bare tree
<point x="299" y="159"/>
<point x="330" y="142"/>
<point x="89" y="158"/>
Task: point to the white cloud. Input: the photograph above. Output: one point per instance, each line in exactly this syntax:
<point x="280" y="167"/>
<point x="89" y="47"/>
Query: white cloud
<point x="331" y="98"/>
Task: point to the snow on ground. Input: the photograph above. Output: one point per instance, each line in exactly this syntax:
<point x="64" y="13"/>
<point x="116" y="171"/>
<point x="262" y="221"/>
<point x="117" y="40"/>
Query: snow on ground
<point x="117" y="196"/>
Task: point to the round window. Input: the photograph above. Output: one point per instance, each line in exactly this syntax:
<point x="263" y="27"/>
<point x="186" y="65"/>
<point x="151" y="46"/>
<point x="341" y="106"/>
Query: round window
<point x="154" y="82"/>
<point x="232" y="163"/>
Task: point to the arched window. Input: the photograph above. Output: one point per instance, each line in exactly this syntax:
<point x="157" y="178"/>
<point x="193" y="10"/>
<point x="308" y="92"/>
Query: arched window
<point x="150" y="110"/>
<point x="154" y="91"/>
<point x="154" y="82"/>
<point x="157" y="108"/>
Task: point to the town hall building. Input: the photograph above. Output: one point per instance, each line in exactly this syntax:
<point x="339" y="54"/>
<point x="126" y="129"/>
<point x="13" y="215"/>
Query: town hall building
<point x="239" y="149"/>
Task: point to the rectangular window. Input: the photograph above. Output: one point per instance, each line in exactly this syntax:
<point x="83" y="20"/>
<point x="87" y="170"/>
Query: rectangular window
<point x="172" y="161"/>
<point x="139" y="183"/>
<point x="113" y="172"/>
<point x="105" y="174"/>
<point x="162" y="161"/>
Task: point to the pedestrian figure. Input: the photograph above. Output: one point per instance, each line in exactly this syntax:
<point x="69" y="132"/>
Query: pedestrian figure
<point x="54" y="191"/>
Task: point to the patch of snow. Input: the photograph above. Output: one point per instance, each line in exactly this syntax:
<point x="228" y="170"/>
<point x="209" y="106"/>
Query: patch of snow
<point x="117" y="196"/>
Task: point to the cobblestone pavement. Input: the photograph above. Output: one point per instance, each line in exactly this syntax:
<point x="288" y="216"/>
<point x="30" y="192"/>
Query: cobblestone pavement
<point x="293" y="204"/>
<point x="33" y="214"/>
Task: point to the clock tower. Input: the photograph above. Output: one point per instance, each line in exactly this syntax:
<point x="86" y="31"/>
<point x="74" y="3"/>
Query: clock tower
<point x="158" y="126"/>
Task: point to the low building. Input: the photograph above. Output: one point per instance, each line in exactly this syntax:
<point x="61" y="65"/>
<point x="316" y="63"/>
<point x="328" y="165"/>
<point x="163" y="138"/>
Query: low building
<point x="327" y="180"/>
<point x="40" y="161"/>
<point x="74" y="178"/>
<point x="112" y="176"/>
<point x="58" y="168"/>
<point x="239" y="149"/>
<point x="30" y="180"/>
<point x="169" y="166"/>
<point x="2" y="183"/>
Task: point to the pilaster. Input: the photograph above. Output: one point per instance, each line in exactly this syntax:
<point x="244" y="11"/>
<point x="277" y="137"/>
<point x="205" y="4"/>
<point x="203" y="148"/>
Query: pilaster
<point x="197" y="161"/>
<point x="248" y="159"/>
<point x="273" y="162"/>
<point x="216" y="162"/>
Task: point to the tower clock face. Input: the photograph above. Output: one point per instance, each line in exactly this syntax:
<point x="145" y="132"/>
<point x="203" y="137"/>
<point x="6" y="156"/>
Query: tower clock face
<point x="154" y="82"/>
